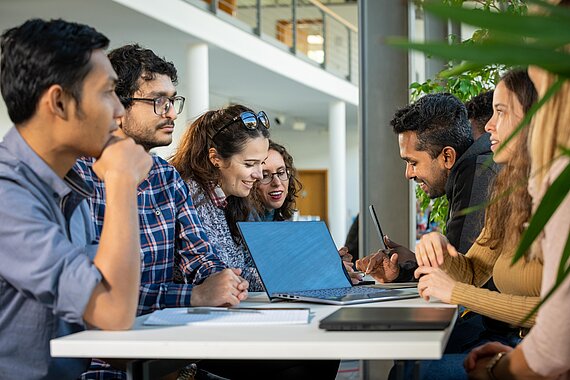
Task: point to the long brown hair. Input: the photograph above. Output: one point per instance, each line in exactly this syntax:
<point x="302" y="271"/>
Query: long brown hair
<point x="286" y="211"/>
<point x="214" y="129"/>
<point x="510" y="206"/>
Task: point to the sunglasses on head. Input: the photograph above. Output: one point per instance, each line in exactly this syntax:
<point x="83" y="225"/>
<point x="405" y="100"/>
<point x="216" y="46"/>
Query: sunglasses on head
<point x="249" y="120"/>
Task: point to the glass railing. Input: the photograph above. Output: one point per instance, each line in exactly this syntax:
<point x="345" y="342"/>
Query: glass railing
<point x="307" y="28"/>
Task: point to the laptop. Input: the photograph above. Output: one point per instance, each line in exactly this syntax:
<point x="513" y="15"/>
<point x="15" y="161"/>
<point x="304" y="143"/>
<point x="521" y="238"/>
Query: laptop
<point x="388" y="319"/>
<point x="299" y="261"/>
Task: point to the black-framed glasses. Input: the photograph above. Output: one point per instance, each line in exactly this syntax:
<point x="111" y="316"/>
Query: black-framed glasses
<point x="249" y="119"/>
<point x="162" y="104"/>
<point x="268" y="177"/>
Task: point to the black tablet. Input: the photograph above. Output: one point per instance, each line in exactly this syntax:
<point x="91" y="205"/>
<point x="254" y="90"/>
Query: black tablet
<point x="388" y="319"/>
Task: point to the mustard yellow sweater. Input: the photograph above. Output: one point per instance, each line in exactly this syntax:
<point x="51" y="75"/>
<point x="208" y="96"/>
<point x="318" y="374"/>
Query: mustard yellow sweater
<point x="519" y="285"/>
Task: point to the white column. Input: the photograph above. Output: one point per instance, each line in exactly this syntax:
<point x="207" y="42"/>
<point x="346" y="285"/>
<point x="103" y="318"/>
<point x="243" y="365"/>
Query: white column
<point x="337" y="174"/>
<point x="198" y="83"/>
<point x="196" y="92"/>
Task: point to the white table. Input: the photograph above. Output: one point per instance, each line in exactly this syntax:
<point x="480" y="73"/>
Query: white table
<point x="258" y="342"/>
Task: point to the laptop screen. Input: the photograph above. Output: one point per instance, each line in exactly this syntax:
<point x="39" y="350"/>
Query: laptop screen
<point x="294" y="256"/>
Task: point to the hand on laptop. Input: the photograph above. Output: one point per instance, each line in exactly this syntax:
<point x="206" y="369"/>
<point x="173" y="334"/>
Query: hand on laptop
<point x="225" y="288"/>
<point x="380" y="266"/>
<point x="345" y="255"/>
<point x="349" y="265"/>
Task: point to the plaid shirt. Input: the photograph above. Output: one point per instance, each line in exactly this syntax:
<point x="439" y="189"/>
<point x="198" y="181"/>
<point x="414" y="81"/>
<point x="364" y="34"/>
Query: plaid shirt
<point x="172" y="237"/>
<point x="217" y="196"/>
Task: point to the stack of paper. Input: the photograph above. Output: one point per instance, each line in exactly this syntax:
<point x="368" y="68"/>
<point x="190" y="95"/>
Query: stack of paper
<point x="188" y="316"/>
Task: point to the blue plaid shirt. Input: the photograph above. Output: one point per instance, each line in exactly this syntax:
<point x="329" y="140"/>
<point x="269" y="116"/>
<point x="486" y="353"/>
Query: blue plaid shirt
<point x="172" y="240"/>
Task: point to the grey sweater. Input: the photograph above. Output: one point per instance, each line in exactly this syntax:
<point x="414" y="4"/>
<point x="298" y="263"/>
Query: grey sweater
<point x="214" y="221"/>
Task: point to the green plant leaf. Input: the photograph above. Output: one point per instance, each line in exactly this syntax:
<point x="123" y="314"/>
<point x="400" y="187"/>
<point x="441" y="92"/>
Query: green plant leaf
<point x="490" y="53"/>
<point x="563" y="267"/>
<point x="544" y="27"/>
<point x="548" y="205"/>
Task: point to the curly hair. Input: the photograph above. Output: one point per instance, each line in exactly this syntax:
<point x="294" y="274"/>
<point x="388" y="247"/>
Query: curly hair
<point x="510" y="207"/>
<point x="192" y="161"/>
<point x="286" y="211"/>
<point x="133" y="62"/>
<point x="480" y="110"/>
<point x="439" y="120"/>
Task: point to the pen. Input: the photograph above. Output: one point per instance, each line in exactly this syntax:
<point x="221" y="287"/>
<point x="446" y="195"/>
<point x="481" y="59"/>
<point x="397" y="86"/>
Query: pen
<point x="206" y="310"/>
<point x="280" y="308"/>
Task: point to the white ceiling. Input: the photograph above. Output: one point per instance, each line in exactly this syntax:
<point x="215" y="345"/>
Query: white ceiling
<point x="231" y="77"/>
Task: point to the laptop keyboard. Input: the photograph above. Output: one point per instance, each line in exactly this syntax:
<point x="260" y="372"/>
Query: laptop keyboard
<point x="338" y="292"/>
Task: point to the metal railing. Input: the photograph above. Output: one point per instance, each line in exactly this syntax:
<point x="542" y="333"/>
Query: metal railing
<point x="307" y="28"/>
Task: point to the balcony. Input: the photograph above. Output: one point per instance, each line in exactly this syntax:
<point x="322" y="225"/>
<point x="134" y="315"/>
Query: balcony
<point x="308" y="29"/>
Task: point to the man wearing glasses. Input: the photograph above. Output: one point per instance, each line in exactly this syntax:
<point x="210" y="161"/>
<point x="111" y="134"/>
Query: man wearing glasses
<point x="179" y="266"/>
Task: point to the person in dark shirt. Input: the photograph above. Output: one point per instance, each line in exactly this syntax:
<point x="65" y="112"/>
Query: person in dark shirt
<point x="434" y="135"/>
<point x="479" y="111"/>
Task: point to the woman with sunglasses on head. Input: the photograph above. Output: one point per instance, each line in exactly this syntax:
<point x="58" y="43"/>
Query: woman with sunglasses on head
<point x="220" y="156"/>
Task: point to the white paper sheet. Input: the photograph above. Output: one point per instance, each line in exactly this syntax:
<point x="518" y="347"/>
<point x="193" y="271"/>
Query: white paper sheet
<point x="180" y="316"/>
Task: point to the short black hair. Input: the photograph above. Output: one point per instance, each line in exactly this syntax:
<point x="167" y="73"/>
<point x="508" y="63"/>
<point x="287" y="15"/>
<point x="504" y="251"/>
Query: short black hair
<point x="39" y="54"/>
<point x="132" y="62"/>
<point x="439" y="120"/>
<point x="480" y="110"/>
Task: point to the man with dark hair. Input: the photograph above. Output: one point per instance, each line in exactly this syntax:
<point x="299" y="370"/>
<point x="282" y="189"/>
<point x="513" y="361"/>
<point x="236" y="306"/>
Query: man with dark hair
<point x="435" y="140"/>
<point x="59" y="88"/>
<point x="479" y="111"/>
<point x="179" y="266"/>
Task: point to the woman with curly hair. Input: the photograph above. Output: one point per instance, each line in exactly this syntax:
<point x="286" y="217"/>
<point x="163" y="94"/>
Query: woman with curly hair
<point x="220" y="156"/>
<point x="277" y="191"/>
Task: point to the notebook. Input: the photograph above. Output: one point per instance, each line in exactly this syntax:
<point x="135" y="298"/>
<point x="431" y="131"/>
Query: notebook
<point x="299" y="261"/>
<point x="186" y="316"/>
<point x="388" y="319"/>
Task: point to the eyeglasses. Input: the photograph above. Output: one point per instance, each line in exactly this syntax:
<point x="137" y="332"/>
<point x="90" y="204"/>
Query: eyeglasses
<point x="249" y="120"/>
<point x="268" y="177"/>
<point x="162" y="104"/>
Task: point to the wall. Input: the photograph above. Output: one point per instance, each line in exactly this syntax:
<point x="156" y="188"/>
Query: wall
<point x="5" y="122"/>
<point x="310" y="150"/>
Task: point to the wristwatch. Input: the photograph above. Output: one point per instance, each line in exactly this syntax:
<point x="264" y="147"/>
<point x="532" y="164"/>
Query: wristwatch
<point x="491" y="365"/>
<point x="187" y="373"/>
